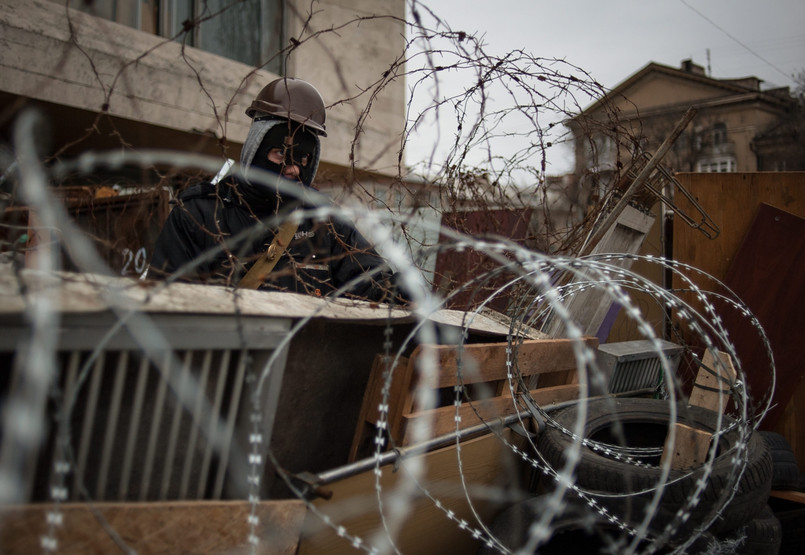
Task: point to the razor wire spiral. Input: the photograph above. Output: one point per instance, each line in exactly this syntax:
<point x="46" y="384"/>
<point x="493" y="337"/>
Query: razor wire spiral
<point x="529" y="281"/>
<point x="599" y="271"/>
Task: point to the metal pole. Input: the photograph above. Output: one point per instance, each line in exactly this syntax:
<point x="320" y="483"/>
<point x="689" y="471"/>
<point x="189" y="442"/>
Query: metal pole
<point x="393" y="456"/>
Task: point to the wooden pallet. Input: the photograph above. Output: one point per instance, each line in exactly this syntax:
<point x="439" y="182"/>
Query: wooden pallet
<point x="711" y="390"/>
<point x="548" y="365"/>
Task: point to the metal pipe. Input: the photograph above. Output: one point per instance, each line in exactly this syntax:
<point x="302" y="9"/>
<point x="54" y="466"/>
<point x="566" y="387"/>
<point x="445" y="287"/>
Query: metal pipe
<point x="156" y="422"/>
<point x="393" y="456"/>
<point x="89" y="420"/>
<point x="173" y="437"/>
<point x="134" y="426"/>
<point x="234" y="404"/>
<point x="63" y="433"/>
<point x="223" y="371"/>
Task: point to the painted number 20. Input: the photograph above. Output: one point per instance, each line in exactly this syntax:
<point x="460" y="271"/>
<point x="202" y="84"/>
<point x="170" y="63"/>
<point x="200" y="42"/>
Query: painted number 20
<point x="135" y="262"/>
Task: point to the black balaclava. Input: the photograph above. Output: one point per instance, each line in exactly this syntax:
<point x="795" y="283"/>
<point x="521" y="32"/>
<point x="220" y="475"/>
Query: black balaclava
<point x="298" y="145"/>
<point x="266" y="133"/>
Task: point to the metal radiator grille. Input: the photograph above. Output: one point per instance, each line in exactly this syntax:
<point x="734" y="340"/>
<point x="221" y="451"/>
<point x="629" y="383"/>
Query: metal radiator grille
<point x="126" y="428"/>
<point x="635" y="365"/>
<point x="635" y="374"/>
<point x="129" y="438"/>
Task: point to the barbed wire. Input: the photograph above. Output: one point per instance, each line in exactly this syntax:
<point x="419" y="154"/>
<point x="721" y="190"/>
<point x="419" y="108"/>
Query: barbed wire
<point x="491" y="136"/>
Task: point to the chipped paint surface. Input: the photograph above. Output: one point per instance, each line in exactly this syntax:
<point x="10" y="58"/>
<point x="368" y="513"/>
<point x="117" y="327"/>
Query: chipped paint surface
<point x="83" y="293"/>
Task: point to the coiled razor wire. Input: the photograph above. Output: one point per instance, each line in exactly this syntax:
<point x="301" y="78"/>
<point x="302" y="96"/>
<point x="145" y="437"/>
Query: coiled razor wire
<point x="532" y="283"/>
<point x="542" y="297"/>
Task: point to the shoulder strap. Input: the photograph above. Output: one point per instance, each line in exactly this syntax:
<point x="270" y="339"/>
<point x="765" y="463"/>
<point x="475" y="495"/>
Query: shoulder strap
<point x="263" y="266"/>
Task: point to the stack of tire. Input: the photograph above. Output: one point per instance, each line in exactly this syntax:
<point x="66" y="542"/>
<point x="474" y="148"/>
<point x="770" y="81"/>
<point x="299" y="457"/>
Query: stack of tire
<point x="786" y="477"/>
<point x="613" y="479"/>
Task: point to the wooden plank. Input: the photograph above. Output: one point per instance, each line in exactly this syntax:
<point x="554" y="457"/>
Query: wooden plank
<point x="486" y="463"/>
<point x="690" y="447"/>
<point x="165" y="527"/>
<point x="795" y="496"/>
<point x="443" y="419"/>
<point x="488" y="360"/>
<point x="711" y="391"/>
<point x="370" y="412"/>
<point x="590" y="307"/>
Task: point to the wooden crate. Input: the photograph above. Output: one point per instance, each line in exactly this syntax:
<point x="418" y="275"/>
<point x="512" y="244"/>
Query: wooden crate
<point x="548" y="366"/>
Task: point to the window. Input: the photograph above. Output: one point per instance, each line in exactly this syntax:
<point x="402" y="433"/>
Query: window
<point x="248" y="31"/>
<point x="716" y="165"/>
<point x="719" y="133"/>
<point x="681" y="144"/>
<point x="600" y="151"/>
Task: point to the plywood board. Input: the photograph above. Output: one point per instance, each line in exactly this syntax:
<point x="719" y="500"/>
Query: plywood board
<point x="165" y="527"/>
<point x="768" y="274"/>
<point x="589" y="308"/>
<point x="731" y="200"/>
<point x="769" y="278"/>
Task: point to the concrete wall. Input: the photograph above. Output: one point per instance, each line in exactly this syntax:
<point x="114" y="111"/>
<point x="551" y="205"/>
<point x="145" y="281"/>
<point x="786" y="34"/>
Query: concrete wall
<point x="90" y="64"/>
<point x="134" y="75"/>
<point x="369" y="39"/>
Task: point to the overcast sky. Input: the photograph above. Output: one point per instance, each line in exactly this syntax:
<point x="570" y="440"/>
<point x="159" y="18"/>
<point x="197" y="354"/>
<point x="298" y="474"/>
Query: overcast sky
<point x="613" y="39"/>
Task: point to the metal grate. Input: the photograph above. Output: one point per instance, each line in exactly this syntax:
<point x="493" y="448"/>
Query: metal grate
<point x="635" y="365"/>
<point x="141" y="429"/>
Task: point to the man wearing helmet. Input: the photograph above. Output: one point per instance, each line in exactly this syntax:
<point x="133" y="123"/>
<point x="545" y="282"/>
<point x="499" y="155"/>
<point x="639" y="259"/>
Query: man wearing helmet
<point x="321" y="256"/>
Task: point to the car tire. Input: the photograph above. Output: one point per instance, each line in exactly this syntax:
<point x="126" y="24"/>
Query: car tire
<point x="792" y="523"/>
<point x="645" y="423"/>
<point x="762" y="535"/>
<point x="577" y="527"/>
<point x="786" y="475"/>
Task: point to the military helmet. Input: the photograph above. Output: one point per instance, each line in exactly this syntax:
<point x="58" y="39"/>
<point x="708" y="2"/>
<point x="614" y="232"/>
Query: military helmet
<point x="293" y="99"/>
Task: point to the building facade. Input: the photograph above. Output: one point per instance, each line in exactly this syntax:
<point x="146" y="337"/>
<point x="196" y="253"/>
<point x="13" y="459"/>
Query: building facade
<point x="168" y="74"/>
<point x="726" y="135"/>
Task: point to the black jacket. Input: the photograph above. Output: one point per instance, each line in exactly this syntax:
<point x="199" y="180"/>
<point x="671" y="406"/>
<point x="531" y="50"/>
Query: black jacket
<point x="322" y="257"/>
